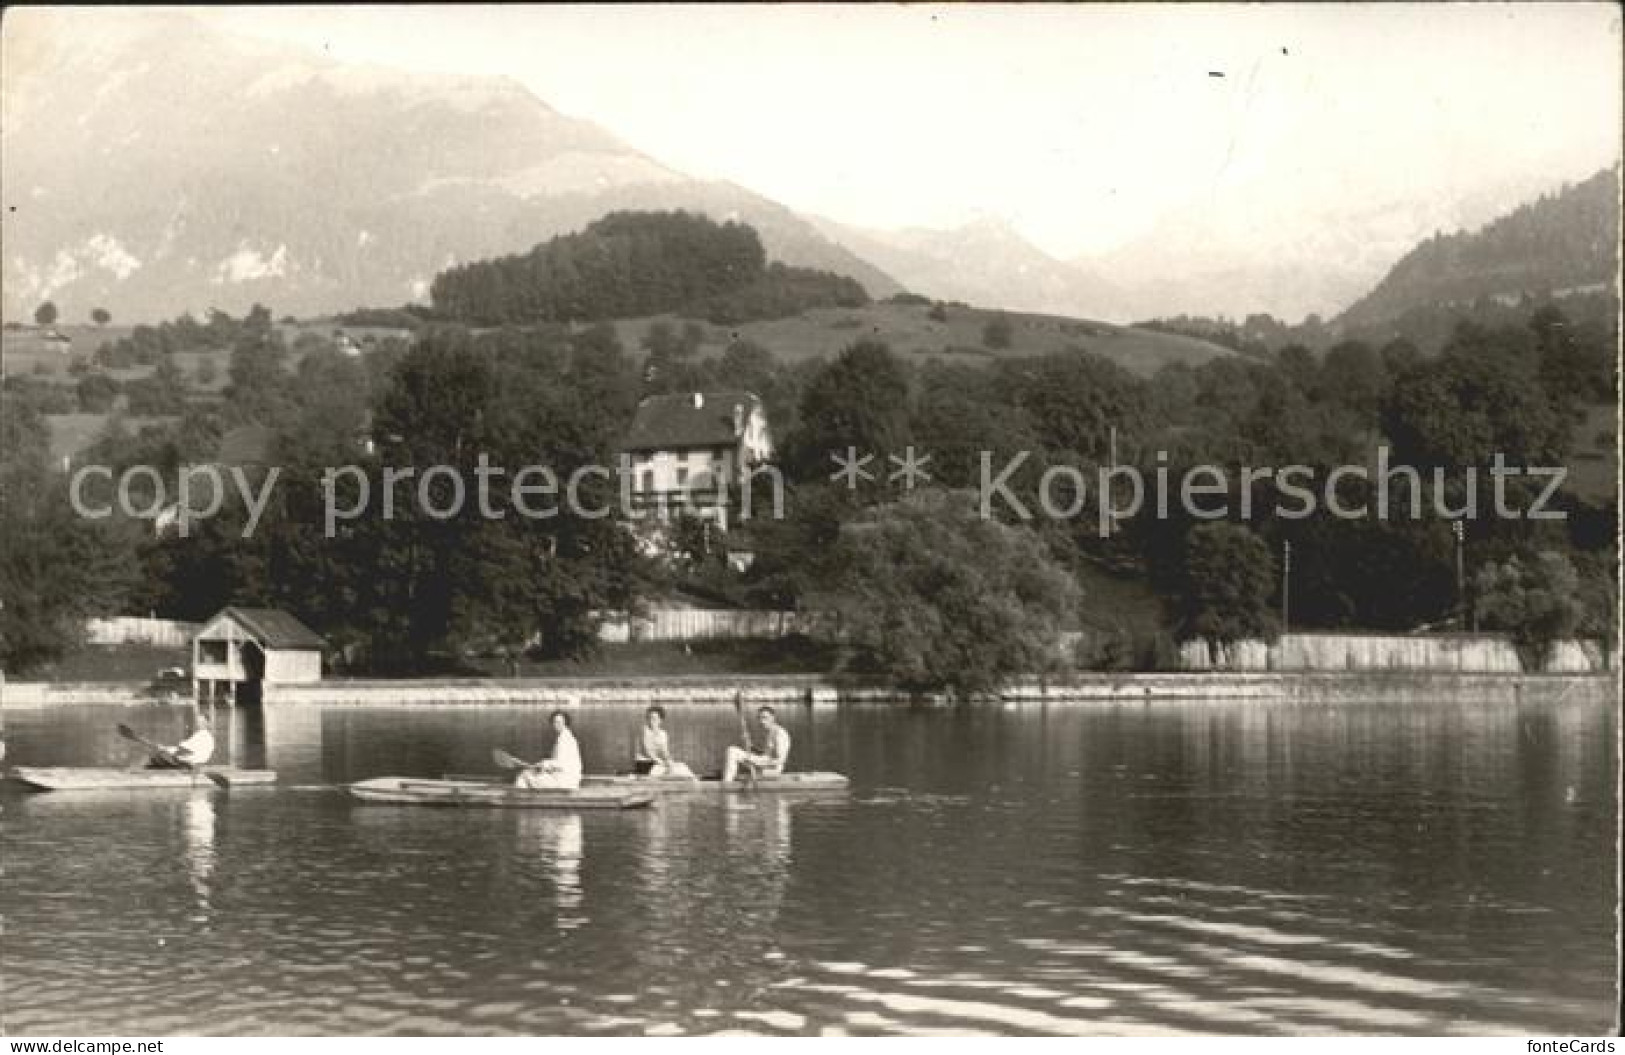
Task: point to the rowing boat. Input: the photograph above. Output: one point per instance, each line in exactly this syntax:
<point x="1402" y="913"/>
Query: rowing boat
<point x="783" y="783"/>
<point x="409" y="791"/>
<point x="80" y="778"/>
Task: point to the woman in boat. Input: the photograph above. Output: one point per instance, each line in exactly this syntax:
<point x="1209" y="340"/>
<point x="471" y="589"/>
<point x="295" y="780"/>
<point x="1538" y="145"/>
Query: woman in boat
<point x="194" y="751"/>
<point x="652" y="755"/>
<point x="561" y="771"/>
<point x="769" y="762"/>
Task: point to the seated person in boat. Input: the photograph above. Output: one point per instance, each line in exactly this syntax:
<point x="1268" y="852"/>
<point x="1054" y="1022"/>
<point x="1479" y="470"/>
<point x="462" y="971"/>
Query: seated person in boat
<point x="769" y="762"/>
<point x="195" y="750"/>
<point x="652" y="753"/>
<point x="561" y="771"/>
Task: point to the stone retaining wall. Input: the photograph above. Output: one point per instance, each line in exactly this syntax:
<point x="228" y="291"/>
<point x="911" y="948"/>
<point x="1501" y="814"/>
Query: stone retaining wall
<point x="1308" y="687"/>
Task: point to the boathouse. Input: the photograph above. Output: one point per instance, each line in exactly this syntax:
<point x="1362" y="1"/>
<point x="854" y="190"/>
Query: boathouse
<point x="241" y="650"/>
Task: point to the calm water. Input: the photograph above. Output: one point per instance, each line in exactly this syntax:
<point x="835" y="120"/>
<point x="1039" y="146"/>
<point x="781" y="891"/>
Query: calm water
<point x="1243" y="869"/>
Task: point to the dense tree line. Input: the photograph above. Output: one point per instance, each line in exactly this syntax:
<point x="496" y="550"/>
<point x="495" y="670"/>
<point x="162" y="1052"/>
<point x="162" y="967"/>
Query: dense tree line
<point x="933" y="585"/>
<point x="631" y="264"/>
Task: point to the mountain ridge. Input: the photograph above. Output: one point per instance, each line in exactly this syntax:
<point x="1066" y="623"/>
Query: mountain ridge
<point x="236" y="173"/>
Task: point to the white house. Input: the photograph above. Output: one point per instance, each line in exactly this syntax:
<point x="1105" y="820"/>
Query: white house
<point x="241" y="650"/>
<point x="689" y="453"/>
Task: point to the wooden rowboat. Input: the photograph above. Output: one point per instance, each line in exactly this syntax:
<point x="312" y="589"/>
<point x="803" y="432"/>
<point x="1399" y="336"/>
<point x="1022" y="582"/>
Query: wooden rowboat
<point x="80" y="778"/>
<point x="783" y="783"/>
<point x="410" y="791"/>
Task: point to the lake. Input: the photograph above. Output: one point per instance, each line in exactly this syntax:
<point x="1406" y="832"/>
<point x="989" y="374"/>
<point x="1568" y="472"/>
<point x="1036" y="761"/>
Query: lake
<point x="1166" y="868"/>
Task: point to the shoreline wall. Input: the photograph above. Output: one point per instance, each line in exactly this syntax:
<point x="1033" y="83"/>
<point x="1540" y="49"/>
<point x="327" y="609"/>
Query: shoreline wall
<point x="1296" y="687"/>
<point x="1443" y="653"/>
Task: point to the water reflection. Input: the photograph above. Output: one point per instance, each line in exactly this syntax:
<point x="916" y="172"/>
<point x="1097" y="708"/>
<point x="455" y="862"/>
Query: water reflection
<point x="556" y="841"/>
<point x="1164" y="869"/>
<point x="198" y="830"/>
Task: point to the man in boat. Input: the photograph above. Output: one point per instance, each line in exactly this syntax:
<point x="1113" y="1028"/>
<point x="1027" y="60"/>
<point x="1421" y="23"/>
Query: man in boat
<point x="651" y="755"/>
<point x="194" y="751"/>
<point x="560" y="771"/>
<point x="769" y="762"/>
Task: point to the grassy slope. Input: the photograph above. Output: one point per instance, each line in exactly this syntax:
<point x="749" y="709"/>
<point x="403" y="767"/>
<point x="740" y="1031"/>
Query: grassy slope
<point x="910" y="332"/>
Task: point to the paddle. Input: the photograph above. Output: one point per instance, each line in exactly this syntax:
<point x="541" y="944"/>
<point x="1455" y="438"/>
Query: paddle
<point x="744" y="734"/>
<point x="163" y="752"/>
<point x="507" y="761"/>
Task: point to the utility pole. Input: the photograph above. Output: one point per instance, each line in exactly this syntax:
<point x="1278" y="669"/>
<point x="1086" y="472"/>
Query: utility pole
<point x="1111" y="458"/>
<point x="1286" y="586"/>
<point x="1460" y="532"/>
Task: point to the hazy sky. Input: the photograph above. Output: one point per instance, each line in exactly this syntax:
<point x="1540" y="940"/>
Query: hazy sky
<point x="1082" y="125"/>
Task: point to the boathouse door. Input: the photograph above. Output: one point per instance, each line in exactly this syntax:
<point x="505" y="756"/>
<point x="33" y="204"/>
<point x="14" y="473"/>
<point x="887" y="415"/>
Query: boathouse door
<point x="252" y="687"/>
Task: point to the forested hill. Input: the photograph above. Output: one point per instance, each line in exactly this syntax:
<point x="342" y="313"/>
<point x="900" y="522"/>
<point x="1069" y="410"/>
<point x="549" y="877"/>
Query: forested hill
<point x="1562" y="245"/>
<point x="640" y="263"/>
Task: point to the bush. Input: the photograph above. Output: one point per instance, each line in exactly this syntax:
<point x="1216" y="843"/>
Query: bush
<point x="97" y="393"/>
<point x="1536" y="602"/>
<point x="998" y="332"/>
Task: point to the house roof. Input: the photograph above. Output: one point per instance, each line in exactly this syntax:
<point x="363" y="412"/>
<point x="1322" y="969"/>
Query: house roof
<point x="273" y="628"/>
<point x="673" y="422"/>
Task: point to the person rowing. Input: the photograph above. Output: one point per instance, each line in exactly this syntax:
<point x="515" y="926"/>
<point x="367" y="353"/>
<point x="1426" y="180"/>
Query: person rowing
<point x="190" y="753"/>
<point x="651" y="755"/>
<point x="769" y="762"/>
<point x="560" y="771"/>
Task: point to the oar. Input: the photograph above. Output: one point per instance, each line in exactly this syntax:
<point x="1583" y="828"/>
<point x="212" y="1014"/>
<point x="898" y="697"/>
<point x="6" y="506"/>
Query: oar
<point x="164" y="752"/>
<point x="507" y="761"/>
<point x="744" y="734"/>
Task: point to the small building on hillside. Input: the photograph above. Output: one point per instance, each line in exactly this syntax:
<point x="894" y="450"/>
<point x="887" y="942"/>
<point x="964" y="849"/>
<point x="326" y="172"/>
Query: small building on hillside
<point x="689" y="453"/>
<point x="241" y="650"/>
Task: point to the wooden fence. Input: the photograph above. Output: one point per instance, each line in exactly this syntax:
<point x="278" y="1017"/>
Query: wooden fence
<point x="702" y="624"/>
<point x="134" y="630"/>
<point x="1467" y="653"/>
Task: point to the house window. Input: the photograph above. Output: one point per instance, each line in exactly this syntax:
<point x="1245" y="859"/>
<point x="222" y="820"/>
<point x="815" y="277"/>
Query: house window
<point x="212" y="651"/>
<point x="648" y="480"/>
<point x="682" y="476"/>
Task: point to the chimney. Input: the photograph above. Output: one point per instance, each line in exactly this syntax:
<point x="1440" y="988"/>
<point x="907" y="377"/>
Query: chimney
<point x="699" y="400"/>
<point x="739" y="420"/>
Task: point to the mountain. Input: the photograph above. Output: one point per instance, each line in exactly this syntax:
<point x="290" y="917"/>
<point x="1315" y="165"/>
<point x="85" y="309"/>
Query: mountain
<point x="1238" y="250"/>
<point x="984" y="262"/>
<point x="1563" y="245"/>
<point x="152" y="165"/>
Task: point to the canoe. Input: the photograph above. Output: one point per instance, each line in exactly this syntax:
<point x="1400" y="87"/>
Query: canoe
<point x="410" y="791"/>
<point x="80" y="778"/>
<point x="784" y="783"/>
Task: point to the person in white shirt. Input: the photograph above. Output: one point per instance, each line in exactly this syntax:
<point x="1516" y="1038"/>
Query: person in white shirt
<point x="560" y="771"/>
<point x="194" y="751"/>
<point x="768" y="762"/>
<point x="652" y="753"/>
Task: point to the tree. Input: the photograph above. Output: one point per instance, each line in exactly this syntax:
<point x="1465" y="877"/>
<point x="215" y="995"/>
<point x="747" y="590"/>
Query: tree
<point x="259" y="381"/>
<point x="1074" y="399"/>
<point x="97" y="393"/>
<point x="858" y="401"/>
<point x="101" y="316"/>
<point x="161" y="394"/>
<point x="1355" y="376"/>
<point x="1483" y="396"/>
<point x="1535" y="601"/>
<point x="936" y="598"/>
<point x="1227" y="582"/>
<point x="56" y="568"/>
<point x="45" y="314"/>
<point x="998" y="332"/>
